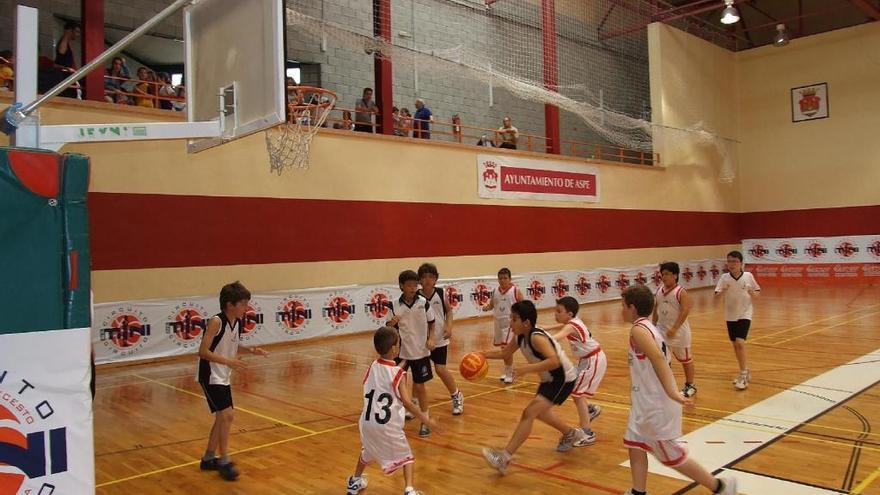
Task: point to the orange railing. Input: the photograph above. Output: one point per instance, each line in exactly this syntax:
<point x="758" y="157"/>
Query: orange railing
<point x="143" y="93"/>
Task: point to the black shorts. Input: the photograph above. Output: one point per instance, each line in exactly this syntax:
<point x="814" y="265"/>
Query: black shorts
<point x="419" y="369"/>
<point x="439" y="355"/>
<point x="738" y="329"/>
<point x="556" y="392"/>
<point x="219" y="396"/>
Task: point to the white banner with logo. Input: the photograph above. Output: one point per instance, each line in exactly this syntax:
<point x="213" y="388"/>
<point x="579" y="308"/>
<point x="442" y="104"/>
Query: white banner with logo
<point x="507" y="177"/>
<point x="46" y="413"/>
<point x="135" y="330"/>
<point x="813" y="250"/>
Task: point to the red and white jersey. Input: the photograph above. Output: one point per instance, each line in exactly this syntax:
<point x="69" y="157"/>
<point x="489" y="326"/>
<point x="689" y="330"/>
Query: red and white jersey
<point x="383" y="409"/>
<point x="668" y="304"/>
<point x="581" y="340"/>
<point x="501" y="303"/>
<point x="653" y="414"/>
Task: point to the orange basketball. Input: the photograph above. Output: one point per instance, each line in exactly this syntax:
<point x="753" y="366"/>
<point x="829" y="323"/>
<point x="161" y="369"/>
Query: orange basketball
<point x="474" y="366"/>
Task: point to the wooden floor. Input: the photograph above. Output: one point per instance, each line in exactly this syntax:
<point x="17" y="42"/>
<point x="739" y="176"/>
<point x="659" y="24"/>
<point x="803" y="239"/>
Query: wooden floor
<point x="295" y="428"/>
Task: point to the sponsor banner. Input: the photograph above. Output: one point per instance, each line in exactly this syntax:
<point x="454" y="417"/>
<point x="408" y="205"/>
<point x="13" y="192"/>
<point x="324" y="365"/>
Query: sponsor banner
<point x="813" y="250"/>
<point x="46" y="413"/>
<point x="833" y="273"/>
<point x="136" y="330"/>
<point x="508" y="177"/>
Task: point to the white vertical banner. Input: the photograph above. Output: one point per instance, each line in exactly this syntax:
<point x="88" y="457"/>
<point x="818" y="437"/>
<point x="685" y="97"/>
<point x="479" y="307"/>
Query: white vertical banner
<point x="46" y="441"/>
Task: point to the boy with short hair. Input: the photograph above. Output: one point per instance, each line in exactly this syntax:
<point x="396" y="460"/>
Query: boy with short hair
<point x="218" y="356"/>
<point x="557" y="375"/>
<point x="381" y="424"/>
<point x="591" y="366"/>
<point x="655" y="414"/>
<point x="739" y="288"/>
<point x="443" y="315"/>
<point x="414" y="319"/>
<point x="500" y="303"/>
<point x="673" y="304"/>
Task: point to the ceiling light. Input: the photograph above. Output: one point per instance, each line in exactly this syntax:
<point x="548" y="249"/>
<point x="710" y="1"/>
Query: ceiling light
<point x="782" y="36"/>
<point x="729" y="15"/>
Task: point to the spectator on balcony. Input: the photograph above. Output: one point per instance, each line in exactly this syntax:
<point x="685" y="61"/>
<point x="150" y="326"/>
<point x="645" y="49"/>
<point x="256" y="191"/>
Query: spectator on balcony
<point x="397" y="119"/>
<point x="166" y="91"/>
<point x="365" y="108"/>
<point x="180" y="105"/>
<point x="7" y="70"/>
<point x="346" y="122"/>
<point x="406" y="121"/>
<point x="143" y="89"/>
<point x="423" y="119"/>
<point x="116" y="76"/>
<point x="508" y="134"/>
<point x="64" y="48"/>
<point x="485" y="141"/>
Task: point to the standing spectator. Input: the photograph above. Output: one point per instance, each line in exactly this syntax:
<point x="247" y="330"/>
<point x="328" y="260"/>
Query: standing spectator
<point x="64" y="49"/>
<point x="166" y="91"/>
<point x="397" y="119"/>
<point x="116" y="75"/>
<point x="364" y="110"/>
<point x="508" y="134"/>
<point x="406" y="120"/>
<point x="180" y="105"/>
<point x="142" y="88"/>
<point x="7" y="70"/>
<point x="423" y="119"/>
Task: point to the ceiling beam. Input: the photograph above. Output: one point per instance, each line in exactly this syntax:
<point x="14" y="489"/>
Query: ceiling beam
<point x="867" y="8"/>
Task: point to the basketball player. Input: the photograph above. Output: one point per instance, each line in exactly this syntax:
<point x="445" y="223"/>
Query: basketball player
<point x="591" y="366"/>
<point x="502" y="299"/>
<point x="557" y="375"/>
<point x="739" y="288"/>
<point x="673" y="304"/>
<point x="655" y="414"/>
<point x="218" y="356"/>
<point x="381" y="424"/>
<point x="428" y="276"/>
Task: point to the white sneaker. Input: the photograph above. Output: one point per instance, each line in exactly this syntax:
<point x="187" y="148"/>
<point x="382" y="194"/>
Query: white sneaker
<point x="587" y="439"/>
<point x="496" y="459"/>
<point x="457" y="403"/>
<point x="595" y="411"/>
<point x="507" y="379"/>
<point x="742" y="382"/>
<point x="355" y="485"/>
<point x="413" y="492"/>
<point x="729" y="487"/>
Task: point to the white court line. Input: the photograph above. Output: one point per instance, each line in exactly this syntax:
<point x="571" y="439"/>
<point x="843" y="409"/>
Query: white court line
<point x="756" y="423"/>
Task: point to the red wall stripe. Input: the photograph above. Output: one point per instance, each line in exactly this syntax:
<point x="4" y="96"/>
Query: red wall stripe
<point x="130" y="231"/>
<point x="817" y="222"/>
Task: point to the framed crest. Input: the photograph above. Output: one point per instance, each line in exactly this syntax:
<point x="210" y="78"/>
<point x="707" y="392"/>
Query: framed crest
<point x="809" y="102"/>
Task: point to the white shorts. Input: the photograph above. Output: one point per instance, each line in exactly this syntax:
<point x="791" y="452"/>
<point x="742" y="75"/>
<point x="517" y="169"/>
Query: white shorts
<point x="682" y="354"/>
<point x="391" y="451"/>
<point x="591" y="370"/>
<point x="502" y="335"/>
<point x="669" y="452"/>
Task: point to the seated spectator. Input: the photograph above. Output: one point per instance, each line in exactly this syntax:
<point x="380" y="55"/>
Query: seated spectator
<point x="423" y="119"/>
<point x="64" y="49"/>
<point x="142" y="88"/>
<point x="180" y="105"/>
<point x="508" y="134"/>
<point x="7" y="71"/>
<point x="116" y="76"/>
<point x="346" y="123"/>
<point x="406" y="120"/>
<point x="166" y="91"/>
<point x="365" y="108"/>
<point x="485" y="141"/>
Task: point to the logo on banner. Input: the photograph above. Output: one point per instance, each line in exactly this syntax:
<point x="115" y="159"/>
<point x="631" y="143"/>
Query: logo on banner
<point x="536" y="289"/>
<point x="293" y="314"/>
<point x="715" y="272"/>
<point x="124" y="331"/>
<point x="481" y="294"/>
<point x="582" y="285"/>
<point x="379" y="306"/>
<point x="874" y="248"/>
<point x="701" y="273"/>
<point x="490" y="175"/>
<point x="656" y="278"/>
<point x="186" y="324"/>
<point x="786" y="250"/>
<point x="603" y="283"/>
<point x="622" y="281"/>
<point x="687" y="274"/>
<point x="758" y="251"/>
<point x="34" y="455"/>
<point x="454" y="298"/>
<point x="641" y="278"/>
<point x="560" y="287"/>
<point x="252" y="321"/>
<point x="846" y="249"/>
<point x="816" y="250"/>
<point x="339" y="310"/>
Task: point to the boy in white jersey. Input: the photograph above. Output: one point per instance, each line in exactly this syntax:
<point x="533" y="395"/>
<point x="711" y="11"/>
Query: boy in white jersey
<point x="218" y="356"/>
<point x="381" y="424"/>
<point x="502" y="299"/>
<point x="428" y="276"/>
<point x="671" y="309"/>
<point x="545" y="358"/>
<point x="413" y="317"/>
<point x="655" y="414"/>
<point x="591" y="366"/>
<point x="739" y="288"/>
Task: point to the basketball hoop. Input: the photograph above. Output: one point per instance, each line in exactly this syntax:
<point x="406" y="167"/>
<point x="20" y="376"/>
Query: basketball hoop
<point x="288" y="144"/>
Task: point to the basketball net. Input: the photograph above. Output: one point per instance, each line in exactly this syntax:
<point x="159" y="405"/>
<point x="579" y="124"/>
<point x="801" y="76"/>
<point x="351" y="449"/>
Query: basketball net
<point x="288" y="144"/>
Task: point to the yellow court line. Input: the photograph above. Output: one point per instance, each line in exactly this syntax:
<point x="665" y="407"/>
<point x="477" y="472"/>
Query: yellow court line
<point x="867" y="481"/>
<point x="237" y="408"/>
<point x="755" y="339"/>
<point x="825" y="328"/>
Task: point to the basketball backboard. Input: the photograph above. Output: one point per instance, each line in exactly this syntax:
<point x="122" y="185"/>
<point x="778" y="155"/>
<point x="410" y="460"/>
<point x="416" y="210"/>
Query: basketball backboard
<point x="235" y="47"/>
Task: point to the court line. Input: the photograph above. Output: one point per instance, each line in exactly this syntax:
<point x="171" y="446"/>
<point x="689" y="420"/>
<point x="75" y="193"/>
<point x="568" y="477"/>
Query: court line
<point x="826" y="328"/>
<point x="237" y="408"/>
<point x="761" y="337"/>
<point x="866" y="482"/>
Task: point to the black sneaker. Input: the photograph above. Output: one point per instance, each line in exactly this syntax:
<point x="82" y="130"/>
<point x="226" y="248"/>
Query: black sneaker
<point x="227" y="471"/>
<point x="209" y="465"/>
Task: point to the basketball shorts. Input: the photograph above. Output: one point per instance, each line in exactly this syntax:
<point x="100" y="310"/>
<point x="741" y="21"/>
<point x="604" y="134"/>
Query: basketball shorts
<point x="682" y="354"/>
<point x="591" y="370"/>
<point x="669" y="452"/>
<point x="556" y="392"/>
<point x="388" y="448"/>
<point x="738" y="329"/>
<point x="419" y="369"/>
<point x="503" y="334"/>
<point x="439" y="355"/>
<point x="219" y="397"/>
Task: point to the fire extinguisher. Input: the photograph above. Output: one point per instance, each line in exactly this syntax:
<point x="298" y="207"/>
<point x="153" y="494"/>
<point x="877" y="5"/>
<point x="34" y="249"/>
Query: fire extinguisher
<point x="456" y="127"/>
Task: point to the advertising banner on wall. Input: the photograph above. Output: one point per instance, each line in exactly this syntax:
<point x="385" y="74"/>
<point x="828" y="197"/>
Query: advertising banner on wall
<point x="813" y="250"/>
<point x="506" y="177"/>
